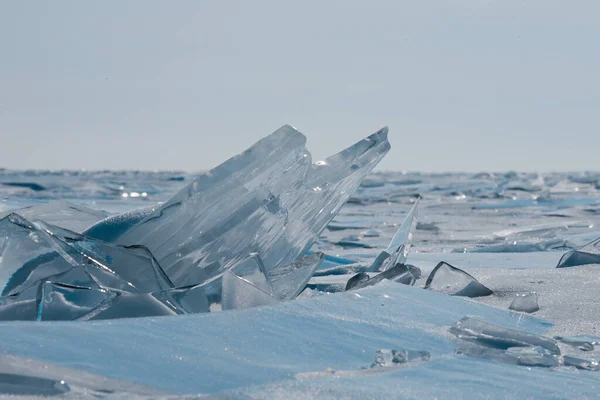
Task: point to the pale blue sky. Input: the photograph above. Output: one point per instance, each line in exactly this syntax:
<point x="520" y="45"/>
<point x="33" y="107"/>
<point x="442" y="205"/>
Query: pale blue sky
<point x="462" y="84"/>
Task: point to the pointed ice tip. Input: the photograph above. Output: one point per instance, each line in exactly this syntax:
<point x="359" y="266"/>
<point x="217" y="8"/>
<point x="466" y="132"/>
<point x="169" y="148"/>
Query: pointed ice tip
<point x="380" y="135"/>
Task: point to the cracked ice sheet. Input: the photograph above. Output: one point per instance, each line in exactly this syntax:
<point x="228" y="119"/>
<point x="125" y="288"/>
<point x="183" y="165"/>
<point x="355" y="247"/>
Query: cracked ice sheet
<point x="261" y="345"/>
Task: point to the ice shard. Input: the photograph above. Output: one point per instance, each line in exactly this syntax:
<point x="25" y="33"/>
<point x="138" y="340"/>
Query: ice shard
<point x="576" y="342"/>
<point x="390" y="358"/>
<point x="357" y="279"/>
<point x="448" y="279"/>
<point x="238" y="293"/>
<point x="253" y="270"/>
<point x="288" y="281"/>
<point x="400" y="273"/>
<point x="527" y="302"/>
<point x="277" y="204"/>
<point x="587" y="364"/>
<point x="20" y="306"/>
<point x="399" y="246"/>
<point x="60" y="301"/>
<point x="527" y="356"/>
<point x="588" y="254"/>
<point x="494" y="336"/>
<point x="27" y="255"/>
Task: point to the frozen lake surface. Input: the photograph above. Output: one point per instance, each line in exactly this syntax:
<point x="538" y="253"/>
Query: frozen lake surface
<point x="506" y="230"/>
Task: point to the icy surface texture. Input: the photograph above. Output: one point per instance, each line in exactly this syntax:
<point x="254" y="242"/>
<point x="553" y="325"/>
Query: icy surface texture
<point x="27" y="377"/>
<point x="451" y="280"/>
<point x="252" y="347"/>
<point x="269" y="199"/>
<point x="588" y="254"/>
<point x="390" y="358"/>
<point x="494" y="336"/>
<point x="525" y="302"/>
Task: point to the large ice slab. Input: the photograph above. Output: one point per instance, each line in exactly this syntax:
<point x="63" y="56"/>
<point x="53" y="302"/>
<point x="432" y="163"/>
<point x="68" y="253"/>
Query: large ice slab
<point x="269" y="200"/>
<point x="448" y="279"/>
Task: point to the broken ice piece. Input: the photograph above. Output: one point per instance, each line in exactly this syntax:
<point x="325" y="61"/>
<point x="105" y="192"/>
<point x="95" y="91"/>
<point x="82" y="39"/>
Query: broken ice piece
<point x="21" y="306"/>
<point x="525" y="302"/>
<point x="587" y="364"/>
<point x="253" y="270"/>
<point x="390" y="358"/>
<point x="127" y="305"/>
<point x="575" y="342"/>
<point x="288" y="281"/>
<point x="494" y="336"/>
<point x="400" y="273"/>
<point x="356" y="280"/>
<point x="27" y="255"/>
<point x="528" y="356"/>
<point x="238" y="293"/>
<point x="185" y="300"/>
<point x="115" y="266"/>
<point x="59" y="301"/>
<point x="371" y="233"/>
<point x="588" y="254"/>
<point x="448" y="279"/>
<point x="399" y="246"/>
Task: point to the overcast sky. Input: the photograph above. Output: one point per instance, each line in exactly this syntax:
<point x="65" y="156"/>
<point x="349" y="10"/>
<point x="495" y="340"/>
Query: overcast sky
<point x="462" y="84"/>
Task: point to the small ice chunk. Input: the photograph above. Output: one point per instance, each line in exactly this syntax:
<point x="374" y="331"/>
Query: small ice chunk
<point x="400" y="243"/>
<point x="390" y="358"/>
<point x="238" y="293"/>
<point x="357" y="280"/>
<point x="494" y="336"/>
<point x="587" y="364"/>
<point x="371" y="233"/>
<point x="288" y="281"/>
<point x="536" y="356"/>
<point x="583" y="345"/>
<point x="594" y="340"/>
<point x="28" y="385"/>
<point x="588" y="254"/>
<point x="525" y="302"/>
<point x="400" y="273"/>
<point x="448" y="279"/>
